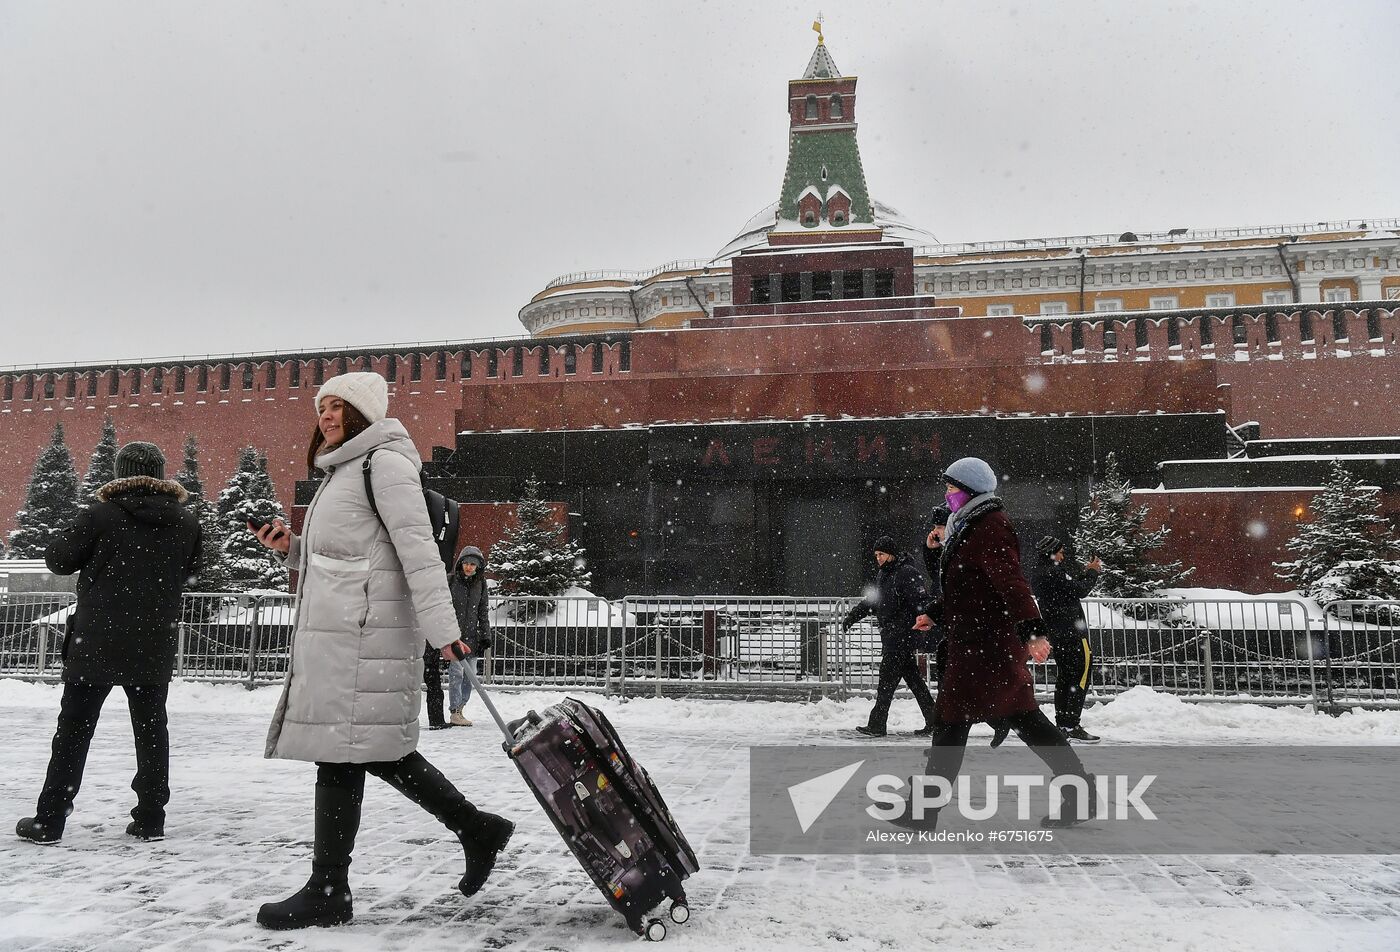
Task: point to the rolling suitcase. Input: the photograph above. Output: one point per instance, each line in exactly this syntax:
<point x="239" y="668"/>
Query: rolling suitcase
<point x="605" y="806"/>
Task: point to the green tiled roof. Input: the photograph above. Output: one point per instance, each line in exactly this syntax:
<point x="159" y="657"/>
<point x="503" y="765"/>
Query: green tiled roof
<point x="809" y="151"/>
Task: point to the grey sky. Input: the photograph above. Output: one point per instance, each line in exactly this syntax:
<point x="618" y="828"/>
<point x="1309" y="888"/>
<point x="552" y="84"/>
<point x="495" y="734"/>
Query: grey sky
<point x="189" y="178"/>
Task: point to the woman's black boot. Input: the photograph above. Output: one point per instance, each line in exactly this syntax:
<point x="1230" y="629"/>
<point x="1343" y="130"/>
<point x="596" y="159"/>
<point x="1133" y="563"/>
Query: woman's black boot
<point x="325" y="900"/>
<point x="482" y="835"/>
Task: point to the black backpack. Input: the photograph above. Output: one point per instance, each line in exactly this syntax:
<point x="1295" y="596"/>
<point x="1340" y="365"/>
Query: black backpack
<point x="444" y="515"/>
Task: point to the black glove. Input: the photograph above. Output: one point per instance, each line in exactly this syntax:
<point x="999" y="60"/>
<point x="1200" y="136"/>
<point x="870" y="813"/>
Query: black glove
<point x="933" y="608"/>
<point x="1032" y="628"/>
<point x="484" y="645"/>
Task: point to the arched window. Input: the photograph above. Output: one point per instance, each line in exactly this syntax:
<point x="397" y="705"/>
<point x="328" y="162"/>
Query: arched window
<point x="812" y="107"/>
<point x="809" y="217"/>
<point x="838" y="217"/>
<point x="838" y="108"/>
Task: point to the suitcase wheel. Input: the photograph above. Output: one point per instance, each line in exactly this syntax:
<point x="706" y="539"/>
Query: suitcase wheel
<point x="655" y="930"/>
<point x="680" y="912"/>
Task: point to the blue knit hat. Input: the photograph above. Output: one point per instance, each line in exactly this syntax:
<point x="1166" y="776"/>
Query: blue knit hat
<point x="972" y="475"/>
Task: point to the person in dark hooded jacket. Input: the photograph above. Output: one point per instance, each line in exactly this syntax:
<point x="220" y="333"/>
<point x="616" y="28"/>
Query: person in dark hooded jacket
<point x="135" y="550"/>
<point x="895" y="603"/>
<point x="469" y="598"/>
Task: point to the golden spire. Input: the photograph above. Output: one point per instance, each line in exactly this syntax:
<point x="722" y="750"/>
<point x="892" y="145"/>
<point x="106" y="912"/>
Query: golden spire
<point x="817" y="26"/>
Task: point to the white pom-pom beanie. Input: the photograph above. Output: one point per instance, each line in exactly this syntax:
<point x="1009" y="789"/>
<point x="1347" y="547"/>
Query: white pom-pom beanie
<point x="365" y="391"/>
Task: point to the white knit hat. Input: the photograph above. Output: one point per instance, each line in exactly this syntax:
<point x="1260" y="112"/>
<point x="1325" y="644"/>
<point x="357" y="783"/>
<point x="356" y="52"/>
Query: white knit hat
<point x="365" y="391"/>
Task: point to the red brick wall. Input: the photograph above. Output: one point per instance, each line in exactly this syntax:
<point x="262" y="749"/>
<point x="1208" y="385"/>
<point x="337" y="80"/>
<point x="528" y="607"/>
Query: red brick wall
<point x="277" y="421"/>
<point x="1234" y="537"/>
<point x="486" y="523"/>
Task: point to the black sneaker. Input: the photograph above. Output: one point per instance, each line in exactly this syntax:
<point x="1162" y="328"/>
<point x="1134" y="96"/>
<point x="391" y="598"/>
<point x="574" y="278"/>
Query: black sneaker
<point x="999" y="735"/>
<point x="1080" y="734"/>
<point x="149" y="832"/>
<point x="37" y="831"/>
<point x="869" y="731"/>
<point x="438" y="727"/>
<point x="926" y="731"/>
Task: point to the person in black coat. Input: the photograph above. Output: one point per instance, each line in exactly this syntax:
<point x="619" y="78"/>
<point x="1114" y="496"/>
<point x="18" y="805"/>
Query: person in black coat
<point x="135" y="549"/>
<point x="1058" y="590"/>
<point x="896" y="603"/>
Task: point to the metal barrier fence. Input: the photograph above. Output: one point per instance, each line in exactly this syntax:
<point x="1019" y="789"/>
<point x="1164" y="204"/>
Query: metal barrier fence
<point x="697" y="644"/>
<point x="1358" y="656"/>
<point x="561" y="642"/>
<point x="1280" y="651"/>
<point x="32" y="629"/>
<point x="1203" y="647"/>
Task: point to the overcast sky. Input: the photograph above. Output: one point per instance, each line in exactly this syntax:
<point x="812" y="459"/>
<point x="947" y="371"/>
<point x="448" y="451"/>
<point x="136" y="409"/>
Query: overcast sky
<point x="199" y="177"/>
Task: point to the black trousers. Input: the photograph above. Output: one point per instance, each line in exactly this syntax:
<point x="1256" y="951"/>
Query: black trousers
<point x="340" y="790"/>
<point x="1073" y="669"/>
<point x="432" y="686"/>
<point x="949" y="742"/>
<point x="77" y="719"/>
<point x="895" y="668"/>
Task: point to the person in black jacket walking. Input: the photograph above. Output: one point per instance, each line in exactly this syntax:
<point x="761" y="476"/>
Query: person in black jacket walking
<point x="1058" y="590"/>
<point x="135" y="549"/>
<point x="896" y="603"/>
<point x="469" y="599"/>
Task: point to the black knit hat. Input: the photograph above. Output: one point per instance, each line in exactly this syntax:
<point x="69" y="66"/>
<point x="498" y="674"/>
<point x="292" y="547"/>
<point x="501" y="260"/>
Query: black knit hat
<point x="1048" y="546"/>
<point x="887" y="545"/>
<point x="140" y="459"/>
<point x="939" y="517"/>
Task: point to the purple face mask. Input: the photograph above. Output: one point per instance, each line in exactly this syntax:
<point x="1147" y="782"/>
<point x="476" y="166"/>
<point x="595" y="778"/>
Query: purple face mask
<point x="957" y="499"/>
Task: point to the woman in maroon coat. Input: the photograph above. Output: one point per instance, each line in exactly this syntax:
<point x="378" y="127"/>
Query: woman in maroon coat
<point x="991" y="626"/>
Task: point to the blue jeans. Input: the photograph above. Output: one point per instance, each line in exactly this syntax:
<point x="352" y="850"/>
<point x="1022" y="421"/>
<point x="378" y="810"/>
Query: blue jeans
<point x="459" y="689"/>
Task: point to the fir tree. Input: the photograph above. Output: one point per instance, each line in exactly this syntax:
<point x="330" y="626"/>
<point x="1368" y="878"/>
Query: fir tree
<point x="51" y="502"/>
<point x="1112" y="529"/>
<point x="1348" y="550"/>
<point x="533" y="560"/>
<point x="102" y="467"/>
<point x="250" y="495"/>
<point x="188" y="476"/>
<point x="213" y="571"/>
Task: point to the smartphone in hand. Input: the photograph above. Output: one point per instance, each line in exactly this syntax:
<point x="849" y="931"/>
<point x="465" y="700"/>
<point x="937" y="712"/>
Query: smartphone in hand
<point x="257" y="525"/>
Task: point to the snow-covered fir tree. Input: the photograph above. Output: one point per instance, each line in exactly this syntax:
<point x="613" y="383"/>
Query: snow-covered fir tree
<point x="188" y="476"/>
<point x="249" y="495"/>
<point x="533" y="559"/>
<point x="1348" y="550"/>
<point x="50" y="503"/>
<point x="102" y="466"/>
<point x="213" y="572"/>
<point x="1111" y="528"/>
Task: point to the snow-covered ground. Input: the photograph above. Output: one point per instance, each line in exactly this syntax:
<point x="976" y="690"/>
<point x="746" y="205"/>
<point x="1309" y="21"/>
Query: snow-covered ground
<point x="240" y="826"/>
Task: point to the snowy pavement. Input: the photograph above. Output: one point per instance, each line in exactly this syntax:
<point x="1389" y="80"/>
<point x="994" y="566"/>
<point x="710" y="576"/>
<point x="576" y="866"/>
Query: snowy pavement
<point x="240" y="826"/>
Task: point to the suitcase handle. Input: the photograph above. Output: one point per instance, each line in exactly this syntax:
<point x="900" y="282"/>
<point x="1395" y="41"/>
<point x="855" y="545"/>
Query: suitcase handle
<point x="490" y="706"/>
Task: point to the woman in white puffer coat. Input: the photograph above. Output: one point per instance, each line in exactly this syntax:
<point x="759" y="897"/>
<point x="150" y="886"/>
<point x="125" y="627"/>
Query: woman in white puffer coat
<point x="372" y="589"/>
